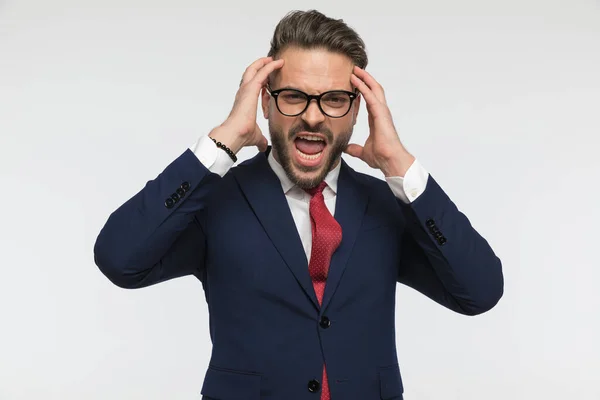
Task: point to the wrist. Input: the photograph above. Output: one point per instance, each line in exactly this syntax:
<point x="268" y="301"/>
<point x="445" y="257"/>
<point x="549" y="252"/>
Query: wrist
<point x="398" y="164"/>
<point x="228" y="138"/>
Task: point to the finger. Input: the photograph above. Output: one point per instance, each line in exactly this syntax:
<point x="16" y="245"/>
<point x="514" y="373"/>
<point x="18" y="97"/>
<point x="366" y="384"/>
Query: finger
<point x="263" y="145"/>
<point x="372" y="101"/>
<point x="262" y="141"/>
<point x="261" y="76"/>
<point x="367" y="78"/>
<point x="254" y="68"/>
<point x="354" y="150"/>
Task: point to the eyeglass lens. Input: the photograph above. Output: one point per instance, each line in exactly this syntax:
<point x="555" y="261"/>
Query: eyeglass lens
<point x="334" y="104"/>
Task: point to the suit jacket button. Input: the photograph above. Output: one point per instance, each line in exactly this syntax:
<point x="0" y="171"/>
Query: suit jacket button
<point x="314" y="386"/>
<point x="325" y="322"/>
<point x="180" y="192"/>
<point x="185" y="186"/>
<point x="169" y="203"/>
<point x="430" y="222"/>
<point x="175" y="197"/>
<point x="442" y="241"/>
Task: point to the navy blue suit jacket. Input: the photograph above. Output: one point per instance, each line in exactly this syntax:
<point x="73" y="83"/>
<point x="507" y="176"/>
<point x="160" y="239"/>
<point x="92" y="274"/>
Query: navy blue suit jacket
<point x="270" y="338"/>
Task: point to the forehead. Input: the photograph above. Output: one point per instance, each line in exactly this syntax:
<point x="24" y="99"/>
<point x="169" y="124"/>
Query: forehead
<point x="313" y="70"/>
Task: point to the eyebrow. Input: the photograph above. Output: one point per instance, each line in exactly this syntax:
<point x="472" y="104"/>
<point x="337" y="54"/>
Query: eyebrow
<point x="300" y="90"/>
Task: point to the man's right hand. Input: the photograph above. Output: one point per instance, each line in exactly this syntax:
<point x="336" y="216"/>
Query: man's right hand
<point x="240" y="128"/>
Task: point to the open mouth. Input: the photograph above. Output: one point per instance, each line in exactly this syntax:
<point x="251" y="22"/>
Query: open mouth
<point x="309" y="149"/>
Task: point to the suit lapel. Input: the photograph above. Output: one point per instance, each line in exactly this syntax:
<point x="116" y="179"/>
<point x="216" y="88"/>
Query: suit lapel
<point x="263" y="191"/>
<point x="350" y="207"/>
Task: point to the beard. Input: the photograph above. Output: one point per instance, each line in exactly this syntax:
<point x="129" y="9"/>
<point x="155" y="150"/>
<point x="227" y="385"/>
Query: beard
<point x="335" y="147"/>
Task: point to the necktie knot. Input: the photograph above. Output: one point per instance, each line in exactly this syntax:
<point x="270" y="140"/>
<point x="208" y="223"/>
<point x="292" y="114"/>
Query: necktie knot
<point x="317" y="189"/>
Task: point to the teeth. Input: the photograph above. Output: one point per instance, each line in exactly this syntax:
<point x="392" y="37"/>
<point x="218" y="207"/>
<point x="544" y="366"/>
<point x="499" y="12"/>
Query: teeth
<point x="313" y="138"/>
<point x="307" y="157"/>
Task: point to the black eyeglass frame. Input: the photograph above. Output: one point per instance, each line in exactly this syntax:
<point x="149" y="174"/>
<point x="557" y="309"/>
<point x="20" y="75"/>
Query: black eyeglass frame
<point x="310" y="97"/>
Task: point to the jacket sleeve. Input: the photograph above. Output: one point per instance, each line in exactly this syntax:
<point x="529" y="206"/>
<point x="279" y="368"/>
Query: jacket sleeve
<point x="157" y="234"/>
<point x="445" y="258"/>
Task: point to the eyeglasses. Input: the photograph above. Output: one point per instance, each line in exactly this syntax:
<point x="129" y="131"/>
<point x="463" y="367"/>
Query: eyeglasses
<point x="293" y="102"/>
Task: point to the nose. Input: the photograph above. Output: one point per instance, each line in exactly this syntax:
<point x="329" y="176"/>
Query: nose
<point x="313" y="115"/>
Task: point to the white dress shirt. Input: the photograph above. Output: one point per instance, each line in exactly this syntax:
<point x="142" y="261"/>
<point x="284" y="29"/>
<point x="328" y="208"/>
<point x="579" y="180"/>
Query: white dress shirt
<point x="406" y="188"/>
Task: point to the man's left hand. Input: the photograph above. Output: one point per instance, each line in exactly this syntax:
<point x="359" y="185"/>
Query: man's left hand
<point x="383" y="149"/>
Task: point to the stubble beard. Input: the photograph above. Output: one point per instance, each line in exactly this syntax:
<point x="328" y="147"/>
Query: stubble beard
<point x="281" y="145"/>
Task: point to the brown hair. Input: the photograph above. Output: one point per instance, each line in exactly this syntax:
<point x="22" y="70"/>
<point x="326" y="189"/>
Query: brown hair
<point x="312" y="29"/>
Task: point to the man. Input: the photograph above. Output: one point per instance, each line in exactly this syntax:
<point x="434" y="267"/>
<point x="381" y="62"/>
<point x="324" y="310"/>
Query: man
<point x="298" y="254"/>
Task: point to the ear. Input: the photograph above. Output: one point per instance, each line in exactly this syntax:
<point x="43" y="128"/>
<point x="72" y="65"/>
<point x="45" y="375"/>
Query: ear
<point x="265" y="97"/>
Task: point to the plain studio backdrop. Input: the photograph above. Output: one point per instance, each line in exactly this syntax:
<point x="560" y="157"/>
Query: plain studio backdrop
<point x="500" y="101"/>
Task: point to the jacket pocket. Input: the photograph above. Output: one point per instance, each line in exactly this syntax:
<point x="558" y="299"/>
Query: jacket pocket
<point x="391" y="382"/>
<point x="227" y="384"/>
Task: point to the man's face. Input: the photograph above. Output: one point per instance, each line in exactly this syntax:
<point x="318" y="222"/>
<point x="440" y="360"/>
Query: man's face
<point x="313" y="71"/>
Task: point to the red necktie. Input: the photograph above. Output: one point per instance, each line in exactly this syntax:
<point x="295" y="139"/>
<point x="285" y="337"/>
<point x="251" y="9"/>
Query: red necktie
<point x="326" y="237"/>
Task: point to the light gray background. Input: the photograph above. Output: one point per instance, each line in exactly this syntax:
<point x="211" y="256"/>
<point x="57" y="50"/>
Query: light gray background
<point x="499" y="100"/>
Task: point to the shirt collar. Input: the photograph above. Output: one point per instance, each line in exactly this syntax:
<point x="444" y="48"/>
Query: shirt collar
<point x="331" y="178"/>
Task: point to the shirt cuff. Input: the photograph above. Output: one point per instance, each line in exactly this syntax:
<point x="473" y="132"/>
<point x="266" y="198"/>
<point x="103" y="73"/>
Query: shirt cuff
<point x="213" y="158"/>
<point x="412" y="185"/>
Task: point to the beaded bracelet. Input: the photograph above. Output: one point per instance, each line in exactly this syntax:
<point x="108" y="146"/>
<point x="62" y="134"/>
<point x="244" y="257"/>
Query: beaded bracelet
<point x="227" y="149"/>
